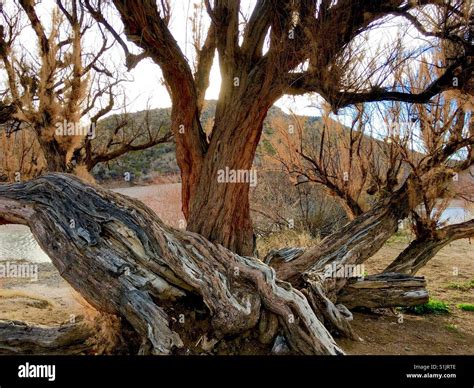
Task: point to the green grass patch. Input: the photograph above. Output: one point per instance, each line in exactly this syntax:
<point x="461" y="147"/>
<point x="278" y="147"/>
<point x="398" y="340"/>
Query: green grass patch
<point x="461" y="286"/>
<point x="465" y="306"/>
<point x="433" y="306"/>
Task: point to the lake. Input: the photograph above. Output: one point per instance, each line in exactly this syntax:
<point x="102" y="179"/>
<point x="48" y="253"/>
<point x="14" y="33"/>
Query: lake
<point x="17" y="243"/>
<point x="454" y="215"/>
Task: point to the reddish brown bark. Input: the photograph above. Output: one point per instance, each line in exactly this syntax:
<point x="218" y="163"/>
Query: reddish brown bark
<point x="221" y="212"/>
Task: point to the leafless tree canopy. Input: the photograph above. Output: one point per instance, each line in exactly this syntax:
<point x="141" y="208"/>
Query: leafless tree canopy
<point x="280" y="47"/>
<point x="68" y="82"/>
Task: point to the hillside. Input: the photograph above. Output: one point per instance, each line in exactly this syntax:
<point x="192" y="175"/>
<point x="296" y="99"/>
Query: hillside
<point x="147" y="165"/>
<point x="151" y="165"/>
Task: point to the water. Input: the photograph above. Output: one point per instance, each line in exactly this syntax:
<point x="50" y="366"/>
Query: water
<point x="17" y="243"/>
<point x="454" y="215"/>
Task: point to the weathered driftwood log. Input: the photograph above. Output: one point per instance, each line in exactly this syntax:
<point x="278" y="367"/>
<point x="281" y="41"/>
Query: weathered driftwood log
<point x="21" y="338"/>
<point x="331" y="295"/>
<point x="125" y="261"/>
<point x="315" y="270"/>
<point x="384" y="290"/>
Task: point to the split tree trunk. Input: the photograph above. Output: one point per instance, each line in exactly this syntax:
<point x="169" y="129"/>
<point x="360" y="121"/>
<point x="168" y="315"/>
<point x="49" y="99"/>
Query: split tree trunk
<point x="220" y="211"/>
<point x="124" y="261"/>
<point x="423" y="249"/>
<point x="217" y="211"/>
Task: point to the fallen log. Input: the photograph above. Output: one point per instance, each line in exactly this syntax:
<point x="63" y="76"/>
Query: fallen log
<point x="22" y="338"/>
<point x="384" y="290"/>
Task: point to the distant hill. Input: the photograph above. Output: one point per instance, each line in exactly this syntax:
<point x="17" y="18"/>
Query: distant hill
<point x="152" y="164"/>
<point x="160" y="160"/>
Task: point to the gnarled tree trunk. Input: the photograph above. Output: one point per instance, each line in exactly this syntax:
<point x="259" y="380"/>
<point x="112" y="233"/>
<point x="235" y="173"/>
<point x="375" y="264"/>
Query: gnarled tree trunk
<point x="124" y="261"/>
<point x="423" y="249"/>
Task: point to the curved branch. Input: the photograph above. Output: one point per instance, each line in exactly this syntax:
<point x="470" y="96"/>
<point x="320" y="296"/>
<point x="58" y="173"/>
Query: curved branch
<point x="423" y="249"/>
<point x="302" y="83"/>
<point x="126" y="262"/>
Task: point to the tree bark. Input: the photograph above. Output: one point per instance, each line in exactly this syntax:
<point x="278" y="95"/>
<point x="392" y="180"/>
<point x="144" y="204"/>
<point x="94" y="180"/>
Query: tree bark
<point x="53" y="154"/>
<point x="20" y="338"/>
<point x="124" y="261"/>
<point x="384" y="290"/>
<point x="220" y="211"/>
<point x="421" y="250"/>
<point x="351" y="245"/>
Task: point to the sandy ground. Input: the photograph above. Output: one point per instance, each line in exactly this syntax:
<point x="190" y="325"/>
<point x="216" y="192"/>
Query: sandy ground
<point x="426" y="334"/>
<point x="50" y="300"/>
<point x="165" y="200"/>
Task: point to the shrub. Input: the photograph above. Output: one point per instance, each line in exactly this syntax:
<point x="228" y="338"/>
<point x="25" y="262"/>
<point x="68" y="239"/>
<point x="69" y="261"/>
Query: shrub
<point x="283" y="239"/>
<point x="461" y="286"/>
<point x="465" y="306"/>
<point x="433" y="306"/>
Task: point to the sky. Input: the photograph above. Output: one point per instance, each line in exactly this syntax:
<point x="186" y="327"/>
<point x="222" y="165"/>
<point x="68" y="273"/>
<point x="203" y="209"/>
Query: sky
<point x="146" y="89"/>
<point x="304" y="105"/>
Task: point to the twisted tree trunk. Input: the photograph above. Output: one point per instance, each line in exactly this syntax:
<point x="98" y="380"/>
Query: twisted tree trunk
<point x="125" y="261"/>
<point x="178" y="291"/>
<point x="423" y="249"/>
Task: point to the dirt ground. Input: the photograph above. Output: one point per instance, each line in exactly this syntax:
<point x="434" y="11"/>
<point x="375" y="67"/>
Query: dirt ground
<point x="452" y="333"/>
<point x="50" y="300"/>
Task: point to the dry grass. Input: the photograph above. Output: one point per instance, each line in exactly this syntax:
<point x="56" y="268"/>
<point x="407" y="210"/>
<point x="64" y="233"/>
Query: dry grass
<point x="164" y="199"/>
<point x="15" y="294"/>
<point x="285" y="239"/>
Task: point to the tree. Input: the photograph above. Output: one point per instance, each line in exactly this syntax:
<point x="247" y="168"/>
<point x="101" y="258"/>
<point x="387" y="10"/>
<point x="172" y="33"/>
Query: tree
<point x="126" y="262"/>
<point x="50" y="92"/>
<point x="356" y="166"/>
<point x="282" y="47"/>
<point x="342" y="160"/>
